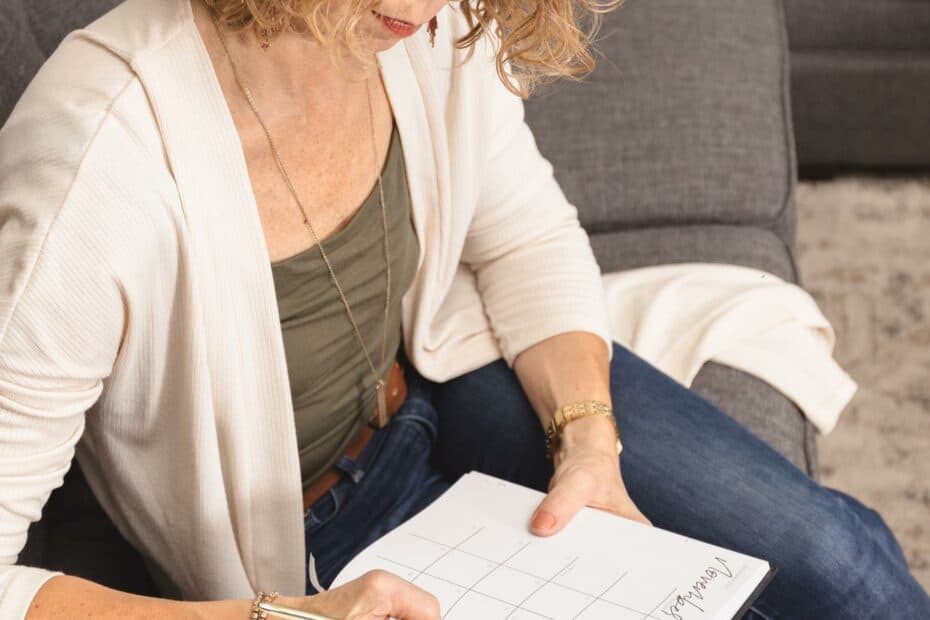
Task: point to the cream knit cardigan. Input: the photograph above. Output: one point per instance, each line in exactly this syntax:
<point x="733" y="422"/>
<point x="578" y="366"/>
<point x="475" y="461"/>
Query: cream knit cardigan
<point x="137" y="306"/>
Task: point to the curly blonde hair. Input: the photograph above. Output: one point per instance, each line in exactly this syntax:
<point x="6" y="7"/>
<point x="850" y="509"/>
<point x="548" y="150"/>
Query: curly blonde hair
<point x="540" y="40"/>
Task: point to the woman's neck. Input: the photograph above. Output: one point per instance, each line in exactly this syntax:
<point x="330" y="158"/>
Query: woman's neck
<point x="284" y="70"/>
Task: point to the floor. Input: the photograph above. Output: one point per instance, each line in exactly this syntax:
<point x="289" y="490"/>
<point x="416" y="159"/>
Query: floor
<point x="864" y="249"/>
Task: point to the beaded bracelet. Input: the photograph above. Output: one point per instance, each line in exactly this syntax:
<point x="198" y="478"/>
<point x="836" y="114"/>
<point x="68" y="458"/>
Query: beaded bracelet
<point x="572" y="411"/>
<point x="261" y="597"/>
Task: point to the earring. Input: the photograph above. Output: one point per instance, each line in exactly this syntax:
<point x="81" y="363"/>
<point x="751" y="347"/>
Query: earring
<point x="431" y="28"/>
<point x="265" y="35"/>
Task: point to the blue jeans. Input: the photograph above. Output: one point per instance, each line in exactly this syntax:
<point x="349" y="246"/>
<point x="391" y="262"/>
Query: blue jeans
<point x="687" y="465"/>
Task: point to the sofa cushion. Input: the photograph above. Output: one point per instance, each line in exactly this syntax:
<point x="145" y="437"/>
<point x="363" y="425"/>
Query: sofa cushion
<point x="867" y="25"/>
<point x="862" y="109"/>
<point x="737" y="245"/>
<point x="20" y="56"/>
<point x="860" y="82"/>
<point x="684" y="119"/>
<point x="763" y="410"/>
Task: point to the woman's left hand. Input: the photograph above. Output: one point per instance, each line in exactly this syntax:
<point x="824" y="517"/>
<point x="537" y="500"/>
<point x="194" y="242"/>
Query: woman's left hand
<point x="587" y="473"/>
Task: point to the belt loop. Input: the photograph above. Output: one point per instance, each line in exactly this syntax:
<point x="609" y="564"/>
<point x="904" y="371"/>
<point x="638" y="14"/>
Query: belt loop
<point x="349" y="468"/>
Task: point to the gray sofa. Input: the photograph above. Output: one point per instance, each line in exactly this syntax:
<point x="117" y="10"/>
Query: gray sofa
<point x="678" y="148"/>
<point x="860" y="84"/>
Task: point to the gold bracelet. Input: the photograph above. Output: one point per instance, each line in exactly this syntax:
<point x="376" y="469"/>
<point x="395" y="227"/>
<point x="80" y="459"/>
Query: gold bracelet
<point x="261" y="597"/>
<point x="262" y="606"/>
<point x="573" y="411"/>
<point x="288" y="612"/>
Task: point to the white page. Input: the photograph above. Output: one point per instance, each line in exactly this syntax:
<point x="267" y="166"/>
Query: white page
<point x="473" y="550"/>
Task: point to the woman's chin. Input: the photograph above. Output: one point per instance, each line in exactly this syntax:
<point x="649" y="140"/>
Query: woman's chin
<point x="383" y="44"/>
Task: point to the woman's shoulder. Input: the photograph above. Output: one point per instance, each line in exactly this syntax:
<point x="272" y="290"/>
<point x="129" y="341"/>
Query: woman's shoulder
<point x="90" y="76"/>
<point x="81" y="154"/>
<point x="83" y="133"/>
<point x="464" y="80"/>
<point x="86" y="106"/>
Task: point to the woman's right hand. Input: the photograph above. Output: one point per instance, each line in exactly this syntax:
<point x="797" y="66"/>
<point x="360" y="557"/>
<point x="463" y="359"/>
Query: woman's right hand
<point x="376" y="595"/>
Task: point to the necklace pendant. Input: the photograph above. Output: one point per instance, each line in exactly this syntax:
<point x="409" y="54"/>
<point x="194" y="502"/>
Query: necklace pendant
<point x="381" y="416"/>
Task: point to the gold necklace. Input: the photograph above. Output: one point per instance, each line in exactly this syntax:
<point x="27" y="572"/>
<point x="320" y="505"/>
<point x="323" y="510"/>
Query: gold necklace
<point x="381" y="417"/>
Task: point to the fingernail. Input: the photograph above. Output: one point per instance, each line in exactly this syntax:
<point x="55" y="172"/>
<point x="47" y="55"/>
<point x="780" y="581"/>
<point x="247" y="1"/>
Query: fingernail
<point x="543" y="521"/>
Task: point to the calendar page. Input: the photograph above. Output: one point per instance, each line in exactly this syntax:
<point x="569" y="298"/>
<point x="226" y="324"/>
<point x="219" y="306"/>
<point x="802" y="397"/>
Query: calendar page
<point x="473" y="550"/>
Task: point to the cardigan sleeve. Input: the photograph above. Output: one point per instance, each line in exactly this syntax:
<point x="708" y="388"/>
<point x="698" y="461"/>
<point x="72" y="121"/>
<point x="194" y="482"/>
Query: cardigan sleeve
<point x="61" y="322"/>
<point x="534" y="266"/>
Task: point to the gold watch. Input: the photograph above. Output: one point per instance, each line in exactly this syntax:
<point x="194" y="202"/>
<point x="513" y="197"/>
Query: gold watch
<point x="572" y="411"/>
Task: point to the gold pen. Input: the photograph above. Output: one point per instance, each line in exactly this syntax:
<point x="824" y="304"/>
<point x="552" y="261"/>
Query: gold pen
<point x="288" y="612"/>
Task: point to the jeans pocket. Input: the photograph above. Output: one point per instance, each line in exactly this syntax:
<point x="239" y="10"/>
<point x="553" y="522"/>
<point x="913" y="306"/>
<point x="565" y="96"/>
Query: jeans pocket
<point x="420" y="416"/>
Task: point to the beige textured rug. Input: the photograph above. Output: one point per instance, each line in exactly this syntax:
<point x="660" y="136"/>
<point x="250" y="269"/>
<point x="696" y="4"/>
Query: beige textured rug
<point x="864" y="248"/>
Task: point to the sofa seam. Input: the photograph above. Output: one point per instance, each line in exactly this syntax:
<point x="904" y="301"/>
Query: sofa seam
<point x="786" y="110"/>
<point x="790" y="145"/>
<point x="855" y="54"/>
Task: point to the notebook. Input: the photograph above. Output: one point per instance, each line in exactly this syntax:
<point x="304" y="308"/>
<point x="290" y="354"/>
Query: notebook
<point x="473" y="550"/>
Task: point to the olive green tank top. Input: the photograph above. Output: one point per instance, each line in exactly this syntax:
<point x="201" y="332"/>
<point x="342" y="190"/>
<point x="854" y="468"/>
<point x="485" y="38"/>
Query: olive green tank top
<point x="331" y="382"/>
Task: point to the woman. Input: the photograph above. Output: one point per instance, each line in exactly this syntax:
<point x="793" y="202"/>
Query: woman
<point x="218" y="232"/>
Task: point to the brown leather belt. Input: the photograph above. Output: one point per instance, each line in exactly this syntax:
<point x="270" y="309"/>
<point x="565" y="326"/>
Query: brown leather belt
<point x="396" y="393"/>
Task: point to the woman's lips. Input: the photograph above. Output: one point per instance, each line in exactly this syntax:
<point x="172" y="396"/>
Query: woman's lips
<point x="398" y="27"/>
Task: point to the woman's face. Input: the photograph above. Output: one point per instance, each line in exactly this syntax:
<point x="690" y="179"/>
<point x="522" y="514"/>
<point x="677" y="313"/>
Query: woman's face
<point x="394" y="20"/>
